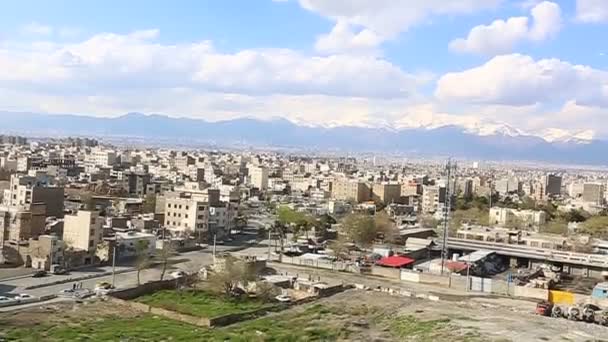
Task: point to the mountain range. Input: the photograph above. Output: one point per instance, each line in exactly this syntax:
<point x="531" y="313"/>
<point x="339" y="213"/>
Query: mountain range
<point x="493" y="142"/>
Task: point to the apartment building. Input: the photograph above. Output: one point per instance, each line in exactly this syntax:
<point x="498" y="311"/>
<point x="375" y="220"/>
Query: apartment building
<point x="433" y="198"/>
<point x="186" y="214"/>
<point x="258" y="177"/>
<point x="593" y="193"/>
<point x="513" y="217"/>
<point x="386" y="193"/>
<point x="553" y="185"/>
<point x="83" y="232"/>
<point x="102" y="157"/>
<point x="350" y="190"/>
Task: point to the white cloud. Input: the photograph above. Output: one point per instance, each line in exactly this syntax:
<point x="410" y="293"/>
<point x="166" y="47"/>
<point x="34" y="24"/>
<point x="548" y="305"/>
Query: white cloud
<point x="342" y="39"/>
<point x="37" y="29"/>
<point x="592" y="11"/>
<point x="501" y="36"/>
<point x="112" y="61"/>
<point x="520" y="80"/>
<point x="381" y="20"/>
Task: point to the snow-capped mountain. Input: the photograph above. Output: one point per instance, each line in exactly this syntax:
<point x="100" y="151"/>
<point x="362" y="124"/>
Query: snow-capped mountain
<point x="557" y="135"/>
<point x="430" y="138"/>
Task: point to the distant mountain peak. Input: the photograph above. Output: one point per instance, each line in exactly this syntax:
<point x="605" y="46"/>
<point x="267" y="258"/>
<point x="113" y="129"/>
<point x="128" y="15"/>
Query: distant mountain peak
<point x="558" y="135"/>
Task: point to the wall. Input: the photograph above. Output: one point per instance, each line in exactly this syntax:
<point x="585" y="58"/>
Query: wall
<point x="144" y="289"/>
<point x="530" y="292"/>
<point x="387" y="272"/>
<point x="435" y="279"/>
<point x="410" y="276"/>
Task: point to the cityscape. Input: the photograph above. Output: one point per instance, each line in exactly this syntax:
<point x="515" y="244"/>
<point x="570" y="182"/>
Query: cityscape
<point x="233" y="180"/>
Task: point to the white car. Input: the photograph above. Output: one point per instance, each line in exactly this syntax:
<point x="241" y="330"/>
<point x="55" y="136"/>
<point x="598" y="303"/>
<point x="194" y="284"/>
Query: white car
<point x="177" y="274"/>
<point x="5" y="301"/>
<point x="25" y="298"/>
<point x="283" y="298"/>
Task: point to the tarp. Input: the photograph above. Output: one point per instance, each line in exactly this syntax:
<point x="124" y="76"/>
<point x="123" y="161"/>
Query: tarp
<point x="395" y="261"/>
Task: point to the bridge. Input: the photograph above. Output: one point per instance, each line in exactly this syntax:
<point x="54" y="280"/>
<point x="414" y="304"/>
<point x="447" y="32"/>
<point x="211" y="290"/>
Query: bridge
<point x="521" y="251"/>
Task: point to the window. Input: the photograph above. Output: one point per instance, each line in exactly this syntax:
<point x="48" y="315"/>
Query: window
<point x="187" y="207"/>
<point x="168" y="205"/>
<point x="186" y="215"/>
<point x="179" y="215"/>
<point x="180" y="206"/>
<point x="200" y="217"/>
<point x="91" y="243"/>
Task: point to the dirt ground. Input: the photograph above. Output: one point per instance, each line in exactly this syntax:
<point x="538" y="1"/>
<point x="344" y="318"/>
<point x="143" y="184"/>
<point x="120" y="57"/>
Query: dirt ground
<point x="374" y="316"/>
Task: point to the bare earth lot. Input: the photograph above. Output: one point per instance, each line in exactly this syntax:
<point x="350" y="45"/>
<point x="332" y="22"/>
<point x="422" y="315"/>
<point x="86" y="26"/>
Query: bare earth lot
<point x="349" y="316"/>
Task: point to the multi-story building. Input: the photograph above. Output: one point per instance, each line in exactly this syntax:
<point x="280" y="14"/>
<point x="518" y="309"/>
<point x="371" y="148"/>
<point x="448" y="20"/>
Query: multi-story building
<point x="433" y="198"/>
<point x="593" y="193"/>
<point x="22" y="223"/>
<point x="27" y="190"/>
<point x="350" y="190"/>
<point x="507" y="185"/>
<point x="137" y="182"/>
<point x="575" y="189"/>
<point x="187" y="214"/>
<point x="258" y="176"/>
<point x="83" y="232"/>
<point x="514" y="217"/>
<point x="386" y="193"/>
<point x="102" y="157"/>
<point x="553" y="185"/>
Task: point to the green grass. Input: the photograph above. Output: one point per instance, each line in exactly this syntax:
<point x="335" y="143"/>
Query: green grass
<point x="200" y="303"/>
<point x="310" y="325"/>
<point x="410" y="328"/>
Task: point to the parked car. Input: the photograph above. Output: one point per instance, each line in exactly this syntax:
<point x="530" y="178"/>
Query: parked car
<point x="39" y="274"/>
<point x="103" y="288"/>
<point x="177" y="274"/>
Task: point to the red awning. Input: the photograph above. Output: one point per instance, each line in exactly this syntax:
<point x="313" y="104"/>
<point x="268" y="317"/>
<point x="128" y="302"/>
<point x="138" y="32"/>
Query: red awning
<point x="395" y="261"/>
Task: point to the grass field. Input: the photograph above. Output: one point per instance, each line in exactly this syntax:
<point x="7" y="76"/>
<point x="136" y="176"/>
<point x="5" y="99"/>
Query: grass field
<point x="200" y="303"/>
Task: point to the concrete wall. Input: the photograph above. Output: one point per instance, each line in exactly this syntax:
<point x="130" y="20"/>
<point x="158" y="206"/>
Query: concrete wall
<point x="387" y="272"/>
<point x="144" y="289"/>
<point x="435" y="279"/>
<point x="530" y="292"/>
<point x="407" y="275"/>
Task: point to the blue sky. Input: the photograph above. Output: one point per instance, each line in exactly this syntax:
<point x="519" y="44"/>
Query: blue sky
<point x="537" y="66"/>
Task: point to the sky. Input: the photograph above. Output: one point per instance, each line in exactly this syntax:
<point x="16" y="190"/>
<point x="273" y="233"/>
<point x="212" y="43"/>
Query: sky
<point x="538" y="67"/>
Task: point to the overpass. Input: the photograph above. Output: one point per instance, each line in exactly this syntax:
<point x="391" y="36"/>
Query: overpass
<point x="539" y="254"/>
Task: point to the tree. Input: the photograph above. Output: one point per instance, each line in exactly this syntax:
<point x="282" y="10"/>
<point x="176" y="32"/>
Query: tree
<point x="339" y="249"/>
<point x="555" y="227"/>
<point x="386" y="227"/>
<point x="266" y="291"/>
<point x="234" y="273"/>
<point x="575" y="215"/>
<point x="142" y="260"/>
<point x="596" y="226"/>
<point x="360" y="228"/>
<point x="427" y="221"/>
<point x="149" y="205"/>
<point x="163" y="256"/>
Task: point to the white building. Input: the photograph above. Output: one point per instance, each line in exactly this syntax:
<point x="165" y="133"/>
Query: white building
<point x="186" y="214"/>
<point x="508" y="217"/>
<point x="258" y="176"/>
<point x="101" y="157"/>
<point x="83" y="231"/>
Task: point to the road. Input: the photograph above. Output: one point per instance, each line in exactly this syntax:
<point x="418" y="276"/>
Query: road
<point x="126" y="275"/>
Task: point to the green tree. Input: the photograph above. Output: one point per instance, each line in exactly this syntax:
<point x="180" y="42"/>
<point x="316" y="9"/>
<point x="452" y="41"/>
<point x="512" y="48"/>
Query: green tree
<point x="142" y="258"/>
<point x="360" y="228"/>
<point x="555" y="227"/>
<point x="233" y="273"/>
<point x="163" y="256"/>
<point x="596" y="226"/>
<point x="339" y="248"/>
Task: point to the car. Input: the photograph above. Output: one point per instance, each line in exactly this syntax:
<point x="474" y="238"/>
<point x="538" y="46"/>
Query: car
<point x="283" y="298"/>
<point x="39" y="274"/>
<point x="229" y="239"/>
<point x="5" y="301"/>
<point x="25" y="298"/>
<point x="220" y="242"/>
<point x="177" y="274"/>
<point x="67" y="292"/>
<point x="104" y="285"/>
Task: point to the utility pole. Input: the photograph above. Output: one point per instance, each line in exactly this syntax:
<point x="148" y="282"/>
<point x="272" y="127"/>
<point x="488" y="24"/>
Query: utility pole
<point x="114" y="262"/>
<point x="214" y="240"/>
<point x="269" y="231"/>
<point x="446" y="214"/>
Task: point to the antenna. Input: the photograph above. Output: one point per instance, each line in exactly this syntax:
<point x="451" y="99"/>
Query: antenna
<point x="446" y="211"/>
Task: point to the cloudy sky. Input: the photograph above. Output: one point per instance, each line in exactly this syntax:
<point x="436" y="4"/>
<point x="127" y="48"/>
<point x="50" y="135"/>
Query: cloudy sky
<point x="539" y="66"/>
